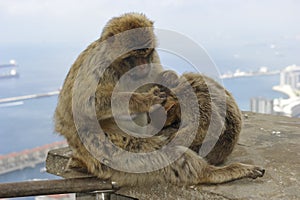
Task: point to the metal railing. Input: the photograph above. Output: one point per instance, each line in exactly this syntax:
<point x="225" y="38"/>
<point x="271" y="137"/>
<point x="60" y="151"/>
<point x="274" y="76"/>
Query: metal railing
<point x="85" y="188"/>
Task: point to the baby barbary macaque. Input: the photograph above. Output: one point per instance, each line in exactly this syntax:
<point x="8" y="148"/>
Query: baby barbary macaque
<point x="217" y="108"/>
<point x="87" y="93"/>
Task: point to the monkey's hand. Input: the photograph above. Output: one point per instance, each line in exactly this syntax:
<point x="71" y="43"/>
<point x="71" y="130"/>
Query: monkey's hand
<point x="142" y="102"/>
<point x="168" y="78"/>
<point x="156" y="96"/>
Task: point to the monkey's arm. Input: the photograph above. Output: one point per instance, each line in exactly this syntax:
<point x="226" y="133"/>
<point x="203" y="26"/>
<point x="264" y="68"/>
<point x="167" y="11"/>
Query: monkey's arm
<point x="138" y="103"/>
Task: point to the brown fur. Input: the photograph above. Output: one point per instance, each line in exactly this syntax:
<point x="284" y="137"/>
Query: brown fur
<point x="211" y="114"/>
<point x="188" y="169"/>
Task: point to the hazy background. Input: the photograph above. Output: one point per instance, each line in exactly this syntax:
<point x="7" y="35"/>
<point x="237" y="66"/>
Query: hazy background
<point x="46" y="36"/>
<point x="236" y="33"/>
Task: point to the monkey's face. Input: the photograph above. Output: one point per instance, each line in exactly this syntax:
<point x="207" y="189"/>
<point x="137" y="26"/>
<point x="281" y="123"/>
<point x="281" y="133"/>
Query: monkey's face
<point x="137" y="63"/>
<point x="132" y="33"/>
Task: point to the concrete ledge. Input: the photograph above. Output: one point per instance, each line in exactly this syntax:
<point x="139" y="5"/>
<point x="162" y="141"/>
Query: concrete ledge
<point x="274" y="143"/>
<point x="269" y="141"/>
<point x="58" y="159"/>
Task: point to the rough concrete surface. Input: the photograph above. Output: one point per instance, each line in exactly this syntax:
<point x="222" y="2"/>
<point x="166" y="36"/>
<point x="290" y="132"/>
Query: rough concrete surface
<point x="274" y="143"/>
<point x="269" y="141"/>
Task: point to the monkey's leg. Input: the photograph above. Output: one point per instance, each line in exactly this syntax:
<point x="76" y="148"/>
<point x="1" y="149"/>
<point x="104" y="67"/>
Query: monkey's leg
<point x="138" y="102"/>
<point x="234" y="171"/>
<point x="188" y="169"/>
<point x="222" y="149"/>
<point x="229" y="137"/>
<point x="192" y="169"/>
<point x="196" y="170"/>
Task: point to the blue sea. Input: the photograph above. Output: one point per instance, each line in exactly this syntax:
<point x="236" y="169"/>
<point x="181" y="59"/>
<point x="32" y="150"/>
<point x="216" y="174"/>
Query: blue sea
<point x="30" y="123"/>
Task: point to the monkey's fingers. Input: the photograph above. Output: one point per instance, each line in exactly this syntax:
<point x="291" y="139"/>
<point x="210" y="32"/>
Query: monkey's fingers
<point x="163" y="95"/>
<point x="161" y="99"/>
<point x="158" y="96"/>
<point x="155" y="91"/>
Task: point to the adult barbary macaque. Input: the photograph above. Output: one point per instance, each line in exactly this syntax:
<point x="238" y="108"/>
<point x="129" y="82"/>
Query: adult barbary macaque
<point x="116" y="54"/>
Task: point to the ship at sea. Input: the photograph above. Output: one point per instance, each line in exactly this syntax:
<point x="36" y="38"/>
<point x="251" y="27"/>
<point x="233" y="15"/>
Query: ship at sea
<point x="262" y="71"/>
<point x="9" y="70"/>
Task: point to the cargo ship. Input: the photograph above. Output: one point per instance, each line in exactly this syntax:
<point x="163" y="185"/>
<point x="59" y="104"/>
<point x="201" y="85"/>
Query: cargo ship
<point x="9" y="70"/>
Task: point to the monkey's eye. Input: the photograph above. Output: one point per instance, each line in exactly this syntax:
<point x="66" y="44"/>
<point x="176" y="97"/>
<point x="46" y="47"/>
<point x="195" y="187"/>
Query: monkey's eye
<point x="143" y="52"/>
<point x="140" y="52"/>
<point x="147" y="51"/>
<point x="150" y="51"/>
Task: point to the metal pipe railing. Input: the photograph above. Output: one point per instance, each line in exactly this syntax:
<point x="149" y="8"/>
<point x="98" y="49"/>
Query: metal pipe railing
<point x="59" y="186"/>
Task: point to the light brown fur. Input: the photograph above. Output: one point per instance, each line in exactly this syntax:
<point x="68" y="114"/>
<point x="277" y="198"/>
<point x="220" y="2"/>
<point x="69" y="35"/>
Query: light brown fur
<point x="216" y="106"/>
<point x="188" y="169"/>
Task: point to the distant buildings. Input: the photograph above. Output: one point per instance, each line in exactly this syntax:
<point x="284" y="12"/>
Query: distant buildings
<point x="287" y="107"/>
<point x="289" y="85"/>
<point x="238" y="73"/>
<point x="261" y="105"/>
<point x="291" y="76"/>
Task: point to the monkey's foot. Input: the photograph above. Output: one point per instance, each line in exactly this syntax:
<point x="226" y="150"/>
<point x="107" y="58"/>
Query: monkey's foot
<point x="255" y="172"/>
<point x="232" y="172"/>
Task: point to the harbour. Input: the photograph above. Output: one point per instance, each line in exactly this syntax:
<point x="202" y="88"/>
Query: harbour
<point x="26" y="97"/>
<point x="27" y="158"/>
<point x="262" y="71"/>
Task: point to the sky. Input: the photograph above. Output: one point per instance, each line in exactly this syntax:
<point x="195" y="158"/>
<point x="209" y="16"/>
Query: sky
<point x="55" y="21"/>
<point x="224" y="28"/>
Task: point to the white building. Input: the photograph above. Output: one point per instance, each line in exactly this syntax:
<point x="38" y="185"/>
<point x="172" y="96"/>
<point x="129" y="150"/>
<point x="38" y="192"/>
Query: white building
<point x="261" y="105"/>
<point x="291" y="76"/>
<point x="289" y="85"/>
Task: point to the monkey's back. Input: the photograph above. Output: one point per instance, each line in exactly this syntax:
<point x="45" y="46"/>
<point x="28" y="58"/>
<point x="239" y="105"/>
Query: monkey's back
<point x="219" y="113"/>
